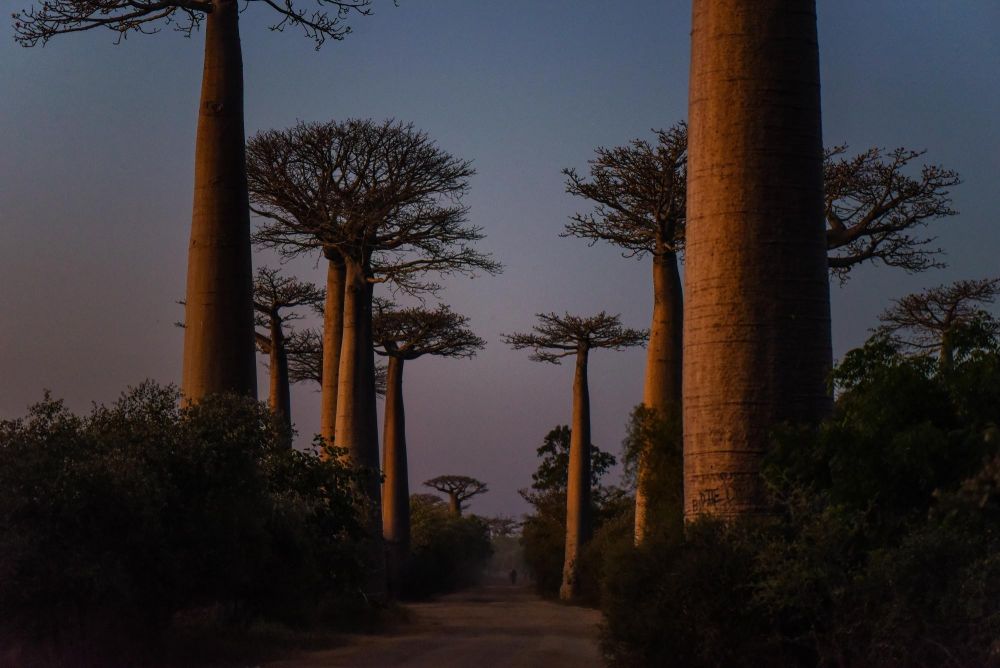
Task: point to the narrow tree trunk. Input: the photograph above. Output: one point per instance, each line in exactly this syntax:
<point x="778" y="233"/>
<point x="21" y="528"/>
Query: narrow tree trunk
<point x="578" y="483"/>
<point x="662" y="390"/>
<point x="757" y="317"/>
<point x="454" y="504"/>
<point x="280" y="396"/>
<point x="396" y="487"/>
<point x="357" y="426"/>
<point x="946" y="359"/>
<point x="333" y="330"/>
<point x="218" y="332"/>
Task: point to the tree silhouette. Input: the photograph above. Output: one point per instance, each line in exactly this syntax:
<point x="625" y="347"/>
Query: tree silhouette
<point x="219" y="337"/>
<point x="459" y="489"/>
<point x="638" y="191"/>
<point x="273" y="297"/>
<point x="402" y="334"/>
<point x="554" y="338"/>
<point x="874" y="209"/>
<point x="945" y="319"/>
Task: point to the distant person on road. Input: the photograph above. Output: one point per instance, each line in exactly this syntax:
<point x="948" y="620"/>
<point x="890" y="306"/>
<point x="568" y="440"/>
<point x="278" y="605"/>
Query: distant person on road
<point x="513" y="576"/>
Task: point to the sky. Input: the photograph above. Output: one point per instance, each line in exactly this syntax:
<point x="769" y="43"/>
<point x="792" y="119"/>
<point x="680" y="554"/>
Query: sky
<point x="96" y="170"/>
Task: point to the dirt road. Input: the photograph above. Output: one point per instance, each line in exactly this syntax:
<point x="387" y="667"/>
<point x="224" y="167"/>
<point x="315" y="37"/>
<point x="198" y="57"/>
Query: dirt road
<point x="495" y="626"/>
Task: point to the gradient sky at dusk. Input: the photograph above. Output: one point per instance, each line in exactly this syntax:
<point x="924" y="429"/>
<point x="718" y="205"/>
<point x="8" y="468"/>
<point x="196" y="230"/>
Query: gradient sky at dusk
<point x="96" y="169"/>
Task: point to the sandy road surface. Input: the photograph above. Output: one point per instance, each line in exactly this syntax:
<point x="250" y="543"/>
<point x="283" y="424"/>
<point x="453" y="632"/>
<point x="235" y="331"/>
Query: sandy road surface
<point x="495" y="626"/>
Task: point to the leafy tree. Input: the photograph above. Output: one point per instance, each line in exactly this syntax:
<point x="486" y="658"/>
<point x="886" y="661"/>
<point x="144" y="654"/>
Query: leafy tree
<point x="219" y="340"/>
<point x="554" y="338"/>
<point x="112" y="522"/>
<point x="543" y="533"/>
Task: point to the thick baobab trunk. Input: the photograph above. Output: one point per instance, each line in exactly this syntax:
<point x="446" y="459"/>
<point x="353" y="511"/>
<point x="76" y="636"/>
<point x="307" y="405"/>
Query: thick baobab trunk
<point x="333" y="330"/>
<point x="396" y="487"/>
<point x="757" y="317"/>
<point x="578" y="483"/>
<point x="946" y="358"/>
<point x="662" y="389"/>
<point x="218" y="333"/>
<point x="357" y="426"/>
<point x="280" y="397"/>
<point x="454" y="505"/>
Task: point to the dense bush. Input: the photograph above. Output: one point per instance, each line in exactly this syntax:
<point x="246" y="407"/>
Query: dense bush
<point x="882" y="550"/>
<point x="120" y="519"/>
<point x="447" y="552"/>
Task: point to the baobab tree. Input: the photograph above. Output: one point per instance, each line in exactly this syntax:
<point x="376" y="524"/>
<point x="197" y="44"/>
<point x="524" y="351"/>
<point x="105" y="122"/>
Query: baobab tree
<point x="638" y="191"/>
<point x="757" y="345"/>
<point x="941" y="319"/>
<point x="459" y="489"/>
<point x="552" y="339"/>
<point x="385" y="201"/>
<point x="274" y="296"/>
<point x="219" y="336"/>
<point x="402" y="334"/>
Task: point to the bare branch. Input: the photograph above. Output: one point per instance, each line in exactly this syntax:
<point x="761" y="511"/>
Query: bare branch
<point x="558" y="336"/>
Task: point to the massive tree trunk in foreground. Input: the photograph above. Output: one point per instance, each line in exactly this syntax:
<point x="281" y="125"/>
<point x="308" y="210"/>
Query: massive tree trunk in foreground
<point x="333" y="331"/>
<point x="218" y="333"/>
<point x="396" y="488"/>
<point x="357" y="420"/>
<point x="578" y="510"/>
<point x="662" y="388"/>
<point x="757" y="322"/>
<point x="280" y="397"/>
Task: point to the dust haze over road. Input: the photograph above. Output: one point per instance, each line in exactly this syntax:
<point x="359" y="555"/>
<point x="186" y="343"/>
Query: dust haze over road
<point x="492" y="626"/>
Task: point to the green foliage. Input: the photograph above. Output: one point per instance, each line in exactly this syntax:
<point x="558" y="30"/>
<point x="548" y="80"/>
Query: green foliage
<point x="141" y="510"/>
<point x="881" y="551"/>
<point x="543" y="534"/>
<point x="446" y="552"/>
<point x="657" y="439"/>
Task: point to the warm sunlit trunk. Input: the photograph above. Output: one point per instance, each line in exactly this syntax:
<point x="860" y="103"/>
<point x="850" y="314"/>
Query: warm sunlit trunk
<point x="333" y="330"/>
<point x="662" y="389"/>
<point x="396" y="487"/>
<point x="454" y="505"/>
<point x="578" y="483"/>
<point x="357" y="426"/>
<point x="757" y="315"/>
<point x="280" y="398"/>
<point x="218" y="316"/>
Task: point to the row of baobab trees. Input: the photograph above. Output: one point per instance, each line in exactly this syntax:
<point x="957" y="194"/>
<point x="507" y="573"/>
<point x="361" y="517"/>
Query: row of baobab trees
<point x="746" y="195"/>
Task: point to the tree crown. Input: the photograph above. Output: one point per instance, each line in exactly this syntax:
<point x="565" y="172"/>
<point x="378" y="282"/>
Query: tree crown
<point x="460" y="486"/>
<point x="638" y="191"/>
<point x="48" y="18"/>
<point x="408" y="333"/>
<point x="557" y="336"/>
<point x="383" y="194"/>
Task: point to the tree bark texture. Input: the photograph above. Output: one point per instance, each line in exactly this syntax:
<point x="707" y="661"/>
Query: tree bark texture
<point x="333" y="330"/>
<point x="757" y="319"/>
<point x="396" y="486"/>
<point x="218" y="335"/>
<point x="662" y="388"/>
<point x="578" y="526"/>
<point x="357" y="426"/>
<point x="280" y="398"/>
